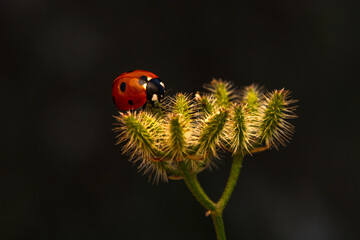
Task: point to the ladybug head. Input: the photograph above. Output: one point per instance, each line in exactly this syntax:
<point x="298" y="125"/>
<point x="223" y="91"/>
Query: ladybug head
<point x="155" y="90"/>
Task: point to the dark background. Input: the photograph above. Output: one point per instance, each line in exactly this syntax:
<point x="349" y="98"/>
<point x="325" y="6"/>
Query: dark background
<point x="61" y="176"/>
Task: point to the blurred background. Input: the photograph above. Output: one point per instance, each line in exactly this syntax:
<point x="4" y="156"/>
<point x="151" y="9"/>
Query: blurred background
<point x="62" y="177"/>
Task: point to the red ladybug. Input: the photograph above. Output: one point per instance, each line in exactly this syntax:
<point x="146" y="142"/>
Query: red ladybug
<point x="131" y="90"/>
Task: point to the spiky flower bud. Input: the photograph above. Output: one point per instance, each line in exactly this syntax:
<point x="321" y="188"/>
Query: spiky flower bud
<point x="275" y="110"/>
<point x="241" y="131"/>
<point x="140" y="132"/>
<point x="223" y="91"/>
<point x="182" y="105"/>
<point x="206" y="103"/>
<point x="176" y="142"/>
<point x="178" y="126"/>
<point x="132" y="128"/>
<point x="251" y="95"/>
<point x="212" y="133"/>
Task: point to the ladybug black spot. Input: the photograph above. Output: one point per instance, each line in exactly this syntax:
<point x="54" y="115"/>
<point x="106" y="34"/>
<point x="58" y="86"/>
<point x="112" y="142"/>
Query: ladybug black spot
<point x="123" y="86"/>
<point x="131" y="102"/>
<point x="142" y="80"/>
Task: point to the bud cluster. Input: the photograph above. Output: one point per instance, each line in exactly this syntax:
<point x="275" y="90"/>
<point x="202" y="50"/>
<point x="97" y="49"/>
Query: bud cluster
<point x="191" y="130"/>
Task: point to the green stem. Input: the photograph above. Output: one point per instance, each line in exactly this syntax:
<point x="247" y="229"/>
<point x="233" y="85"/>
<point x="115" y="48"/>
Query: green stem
<point x="196" y="189"/>
<point x="219" y="225"/>
<point x="232" y="180"/>
<point x="216" y="210"/>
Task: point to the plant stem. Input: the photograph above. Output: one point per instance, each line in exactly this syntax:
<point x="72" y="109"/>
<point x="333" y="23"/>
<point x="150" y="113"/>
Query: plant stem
<point x="220" y="205"/>
<point x="196" y="189"/>
<point x="232" y="180"/>
<point x="219" y="225"/>
<point x="216" y="210"/>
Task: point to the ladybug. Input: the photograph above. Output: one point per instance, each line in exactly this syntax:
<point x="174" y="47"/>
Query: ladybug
<point x="132" y="90"/>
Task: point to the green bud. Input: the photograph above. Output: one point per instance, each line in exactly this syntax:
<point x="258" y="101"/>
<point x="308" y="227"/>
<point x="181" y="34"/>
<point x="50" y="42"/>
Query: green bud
<point x="212" y="132"/>
<point x="251" y="95"/>
<point x="241" y="130"/>
<point x="176" y="143"/>
<point x="223" y="92"/>
<point x="141" y="134"/>
<point x="206" y="103"/>
<point x="182" y="105"/>
<point x="274" y="111"/>
<point x="136" y="133"/>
